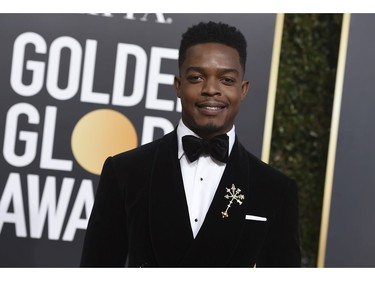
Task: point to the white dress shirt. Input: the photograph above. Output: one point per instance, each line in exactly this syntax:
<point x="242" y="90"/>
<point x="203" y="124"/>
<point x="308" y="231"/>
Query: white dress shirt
<point x="201" y="178"/>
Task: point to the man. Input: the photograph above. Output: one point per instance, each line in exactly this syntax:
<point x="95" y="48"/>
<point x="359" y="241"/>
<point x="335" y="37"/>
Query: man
<point x="166" y="205"/>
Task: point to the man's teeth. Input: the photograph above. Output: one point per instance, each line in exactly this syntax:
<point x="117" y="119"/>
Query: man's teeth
<point x="212" y="107"/>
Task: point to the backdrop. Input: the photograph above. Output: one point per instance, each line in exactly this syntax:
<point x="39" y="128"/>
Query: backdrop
<point x="69" y="80"/>
<point x="351" y="228"/>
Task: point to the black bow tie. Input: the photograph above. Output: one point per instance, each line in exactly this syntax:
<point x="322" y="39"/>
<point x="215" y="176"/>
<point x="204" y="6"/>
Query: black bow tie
<point x="217" y="147"/>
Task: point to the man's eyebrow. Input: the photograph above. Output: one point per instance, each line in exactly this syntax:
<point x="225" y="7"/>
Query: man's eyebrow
<point x="194" y="68"/>
<point x="220" y="70"/>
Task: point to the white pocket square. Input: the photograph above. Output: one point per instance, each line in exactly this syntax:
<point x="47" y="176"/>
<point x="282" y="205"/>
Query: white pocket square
<point x="255" y="218"/>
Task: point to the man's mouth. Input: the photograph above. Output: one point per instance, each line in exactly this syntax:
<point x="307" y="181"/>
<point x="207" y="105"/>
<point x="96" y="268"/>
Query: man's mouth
<point x="211" y="108"/>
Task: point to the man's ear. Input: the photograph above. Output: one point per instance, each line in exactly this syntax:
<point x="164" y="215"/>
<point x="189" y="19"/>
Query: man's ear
<point x="245" y="89"/>
<point x="177" y="85"/>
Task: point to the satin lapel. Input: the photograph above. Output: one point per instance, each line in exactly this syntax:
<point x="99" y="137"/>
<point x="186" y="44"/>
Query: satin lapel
<point x="218" y="236"/>
<point x="170" y="229"/>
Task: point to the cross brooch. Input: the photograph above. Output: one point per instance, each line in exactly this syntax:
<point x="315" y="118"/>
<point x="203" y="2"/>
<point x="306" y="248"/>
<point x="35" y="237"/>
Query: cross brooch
<point x="234" y="195"/>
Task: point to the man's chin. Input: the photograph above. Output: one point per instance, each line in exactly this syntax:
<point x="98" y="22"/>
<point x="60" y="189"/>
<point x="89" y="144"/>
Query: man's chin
<point x="209" y="129"/>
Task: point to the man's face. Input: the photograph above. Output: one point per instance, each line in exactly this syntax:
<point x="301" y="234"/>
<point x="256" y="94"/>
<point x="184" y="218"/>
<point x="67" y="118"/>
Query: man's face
<point x="211" y="88"/>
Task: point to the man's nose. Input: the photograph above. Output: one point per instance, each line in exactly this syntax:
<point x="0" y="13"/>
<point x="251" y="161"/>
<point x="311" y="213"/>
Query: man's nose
<point x="211" y="87"/>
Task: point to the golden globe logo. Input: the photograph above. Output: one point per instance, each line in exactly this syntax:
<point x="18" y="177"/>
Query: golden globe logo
<point x="41" y="196"/>
<point x="101" y="133"/>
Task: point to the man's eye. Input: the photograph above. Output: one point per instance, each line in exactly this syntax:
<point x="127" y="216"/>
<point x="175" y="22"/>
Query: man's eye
<point x="228" y="81"/>
<point x="194" y="78"/>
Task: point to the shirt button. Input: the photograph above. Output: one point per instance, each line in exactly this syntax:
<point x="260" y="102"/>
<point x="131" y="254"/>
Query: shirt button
<point x="201" y="179"/>
<point x="196" y="220"/>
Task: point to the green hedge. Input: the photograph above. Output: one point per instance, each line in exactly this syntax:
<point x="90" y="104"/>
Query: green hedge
<point x="303" y="114"/>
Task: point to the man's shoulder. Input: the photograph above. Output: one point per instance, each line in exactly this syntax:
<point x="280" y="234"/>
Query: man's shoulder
<point x="143" y="151"/>
<point x="266" y="172"/>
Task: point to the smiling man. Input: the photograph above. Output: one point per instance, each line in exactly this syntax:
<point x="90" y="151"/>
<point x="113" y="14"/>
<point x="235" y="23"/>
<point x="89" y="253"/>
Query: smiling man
<point x="211" y="88"/>
<point x="196" y="197"/>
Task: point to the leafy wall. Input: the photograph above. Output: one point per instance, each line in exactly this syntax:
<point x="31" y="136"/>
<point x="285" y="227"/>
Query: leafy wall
<point x="303" y="110"/>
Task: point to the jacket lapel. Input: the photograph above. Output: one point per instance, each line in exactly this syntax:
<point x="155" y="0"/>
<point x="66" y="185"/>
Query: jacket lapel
<point x="170" y="230"/>
<point x="218" y="236"/>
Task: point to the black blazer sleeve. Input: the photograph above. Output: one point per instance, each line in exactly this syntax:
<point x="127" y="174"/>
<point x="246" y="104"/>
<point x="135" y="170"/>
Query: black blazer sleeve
<point x="105" y="242"/>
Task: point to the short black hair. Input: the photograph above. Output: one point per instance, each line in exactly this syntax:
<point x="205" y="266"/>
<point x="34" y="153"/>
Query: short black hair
<point x="213" y="32"/>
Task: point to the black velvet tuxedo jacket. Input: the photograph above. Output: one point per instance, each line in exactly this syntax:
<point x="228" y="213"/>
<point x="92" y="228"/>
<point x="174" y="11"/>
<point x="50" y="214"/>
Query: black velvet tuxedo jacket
<point x="140" y="214"/>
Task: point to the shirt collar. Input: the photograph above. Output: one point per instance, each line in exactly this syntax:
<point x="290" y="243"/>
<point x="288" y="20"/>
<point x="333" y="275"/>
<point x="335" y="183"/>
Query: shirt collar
<point x="183" y="130"/>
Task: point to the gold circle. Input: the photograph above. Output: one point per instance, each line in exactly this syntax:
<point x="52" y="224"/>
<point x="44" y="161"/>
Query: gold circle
<point x="99" y="134"/>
